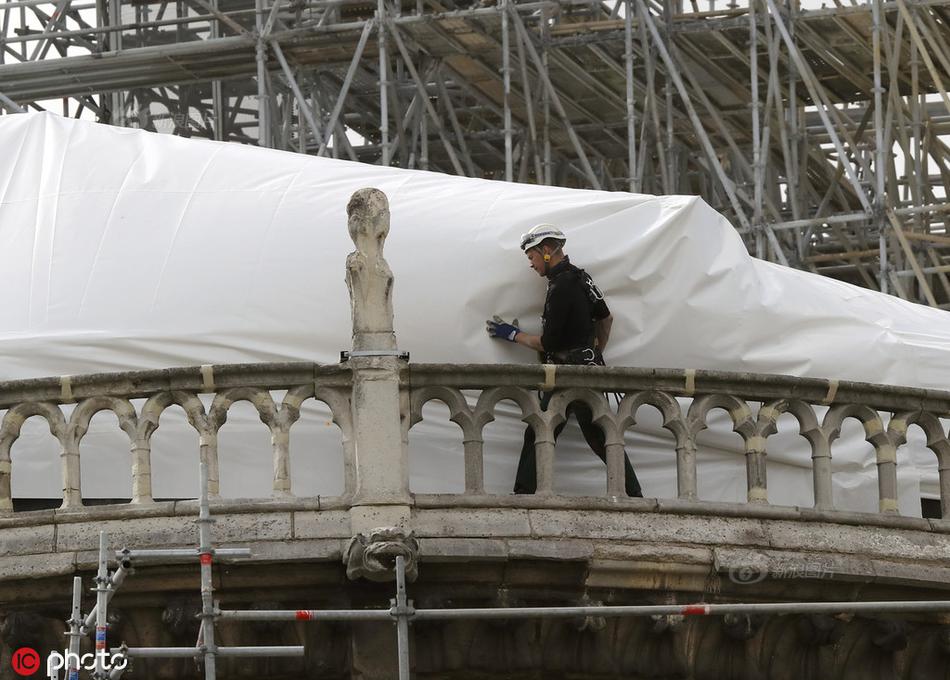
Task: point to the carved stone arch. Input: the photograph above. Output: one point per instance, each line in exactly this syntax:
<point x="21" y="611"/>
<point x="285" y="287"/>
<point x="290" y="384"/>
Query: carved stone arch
<point x="489" y="399"/>
<point x="340" y="407"/>
<point x="937" y="442"/>
<point x="766" y="423"/>
<point x="260" y="398"/>
<point x="16" y="416"/>
<point x="289" y="411"/>
<point x="666" y="404"/>
<point x="152" y="412"/>
<point x="928" y="422"/>
<point x="738" y="411"/>
<point x="870" y="419"/>
<point x="603" y="417"/>
<point x="459" y="410"/>
<point x="83" y="413"/>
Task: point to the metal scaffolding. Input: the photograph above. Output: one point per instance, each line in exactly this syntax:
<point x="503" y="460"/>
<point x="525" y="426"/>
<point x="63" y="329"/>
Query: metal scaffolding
<point x="820" y="133"/>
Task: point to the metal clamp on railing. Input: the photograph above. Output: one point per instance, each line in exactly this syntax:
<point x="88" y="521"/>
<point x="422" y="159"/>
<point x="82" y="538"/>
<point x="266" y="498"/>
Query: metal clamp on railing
<point x="399" y="354"/>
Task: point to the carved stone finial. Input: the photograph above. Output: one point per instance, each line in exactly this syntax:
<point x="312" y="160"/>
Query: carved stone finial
<point x="368" y="275"/>
<point x="374" y="558"/>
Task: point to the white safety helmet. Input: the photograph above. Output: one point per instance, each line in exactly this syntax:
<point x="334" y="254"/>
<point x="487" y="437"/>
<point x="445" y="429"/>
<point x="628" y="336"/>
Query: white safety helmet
<point x="539" y="233"/>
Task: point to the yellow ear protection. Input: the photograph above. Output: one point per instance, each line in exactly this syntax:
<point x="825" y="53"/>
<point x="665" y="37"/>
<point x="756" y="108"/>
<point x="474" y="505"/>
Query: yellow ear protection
<point x="547" y="257"/>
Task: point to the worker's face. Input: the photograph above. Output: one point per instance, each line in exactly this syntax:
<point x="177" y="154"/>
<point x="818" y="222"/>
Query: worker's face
<point x="536" y="260"/>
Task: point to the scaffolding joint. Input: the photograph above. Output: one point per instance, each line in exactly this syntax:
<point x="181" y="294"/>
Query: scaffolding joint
<point x="397" y="611"/>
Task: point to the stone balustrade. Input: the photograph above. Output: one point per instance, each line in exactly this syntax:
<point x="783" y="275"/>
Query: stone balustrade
<point x="753" y="402"/>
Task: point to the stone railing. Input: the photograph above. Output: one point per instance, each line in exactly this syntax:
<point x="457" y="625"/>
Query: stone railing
<point x="336" y="386"/>
<point x="115" y="392"/>
<point x="736" y="393"/>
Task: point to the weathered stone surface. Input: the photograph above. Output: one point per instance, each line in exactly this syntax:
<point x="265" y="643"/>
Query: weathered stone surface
<point x="559" y="549"/>
<point x="646" y="575"/>
<point x="14" y="567"/>
<point x="256" y="527"/>
<point x="365" y="518"/>
<point x="647" y="527"/>
<point x="475" y="523"/>
<point x="828" y="537"/>
<point x="150" y="532"/>
<point x="323" y="524"/>
<point x="653" y="553"/>
<point x="461" y="549"/>
<point x="27" y="540"/>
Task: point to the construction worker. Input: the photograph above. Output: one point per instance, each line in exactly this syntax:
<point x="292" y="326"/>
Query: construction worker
<point x="575" y="328"/>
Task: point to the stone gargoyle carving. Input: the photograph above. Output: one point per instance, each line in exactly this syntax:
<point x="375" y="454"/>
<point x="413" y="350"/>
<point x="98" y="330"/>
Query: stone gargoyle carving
<point x="374" y="557"/>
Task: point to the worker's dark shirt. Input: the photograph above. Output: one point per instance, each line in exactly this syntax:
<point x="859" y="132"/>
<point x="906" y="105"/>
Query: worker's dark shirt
<point x="572" y="305"/>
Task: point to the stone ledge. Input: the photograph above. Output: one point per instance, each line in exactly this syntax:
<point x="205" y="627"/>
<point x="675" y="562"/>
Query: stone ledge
<point x="867" y="541"/>
<point x="484" y="501"/>
<point x="753" y="566"/>
<point x="472" y="523"/>
<point x="648" y="527"/>
<point x="16" y="567"/>
<point x="712" y="543"/>
<point x="324" y="524"/>
<point x="28" y="540"/>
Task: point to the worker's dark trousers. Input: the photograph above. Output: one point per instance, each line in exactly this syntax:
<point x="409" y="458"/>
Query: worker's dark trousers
<point x="526" y="480"/>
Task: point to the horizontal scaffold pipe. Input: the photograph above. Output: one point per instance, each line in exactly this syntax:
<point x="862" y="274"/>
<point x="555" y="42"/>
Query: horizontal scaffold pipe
<point x="905" y="606"/>
<point x="186" y="652"/>
<point x="179" y="554"/>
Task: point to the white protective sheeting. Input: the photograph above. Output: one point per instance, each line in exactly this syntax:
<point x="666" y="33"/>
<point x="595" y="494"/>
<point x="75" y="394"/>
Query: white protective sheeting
<point x="122" y="250"/>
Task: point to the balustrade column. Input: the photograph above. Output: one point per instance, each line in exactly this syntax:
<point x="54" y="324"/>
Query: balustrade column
<point x="141" y="472"/>
<point x="887" y="477"/>
<point x="280" y="440"/>
<point x="544" y="458"/>
<point x="943" y="470"/>
<point x="755" y="470"/>
<point x="69" y="460"/>
<point x="821" y="473"/>
<point x="208" y="452"/>
<point x="616" y="474"/>
<point x="686" y="469"/>
<point x="474" y="467"/>
<point x="380" y="451"/>
<point x="6" y="497"/>
<point x="11" y="422"/>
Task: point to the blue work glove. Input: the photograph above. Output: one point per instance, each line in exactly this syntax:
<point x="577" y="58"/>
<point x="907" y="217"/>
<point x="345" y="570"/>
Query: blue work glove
<point x="498" y="328"/>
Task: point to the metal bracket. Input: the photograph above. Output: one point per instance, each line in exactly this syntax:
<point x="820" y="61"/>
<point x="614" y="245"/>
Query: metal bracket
<point x="399" y="354"/>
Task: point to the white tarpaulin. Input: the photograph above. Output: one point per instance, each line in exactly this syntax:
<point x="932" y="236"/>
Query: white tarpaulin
<point x="123" y="250"/>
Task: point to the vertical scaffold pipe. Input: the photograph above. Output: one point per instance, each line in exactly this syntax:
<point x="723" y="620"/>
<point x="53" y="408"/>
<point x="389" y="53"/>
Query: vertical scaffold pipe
<point x="383" y="82"/>
<point x="102" y="603"/>
<point x="205" y="556"/>
<point x="758" y="227"/>
<point x="75" y="635"/>
<point x="632" y="180"/>
<point x="402" y="621"/>
<point x="263" y="102"/>
<point x="880" y="158"/>
<point x="506" y="78"/>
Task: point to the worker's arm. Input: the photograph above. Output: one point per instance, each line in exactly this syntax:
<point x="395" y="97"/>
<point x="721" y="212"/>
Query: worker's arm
<point x="602" y="331"/>
<point x="528" y="340"/>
